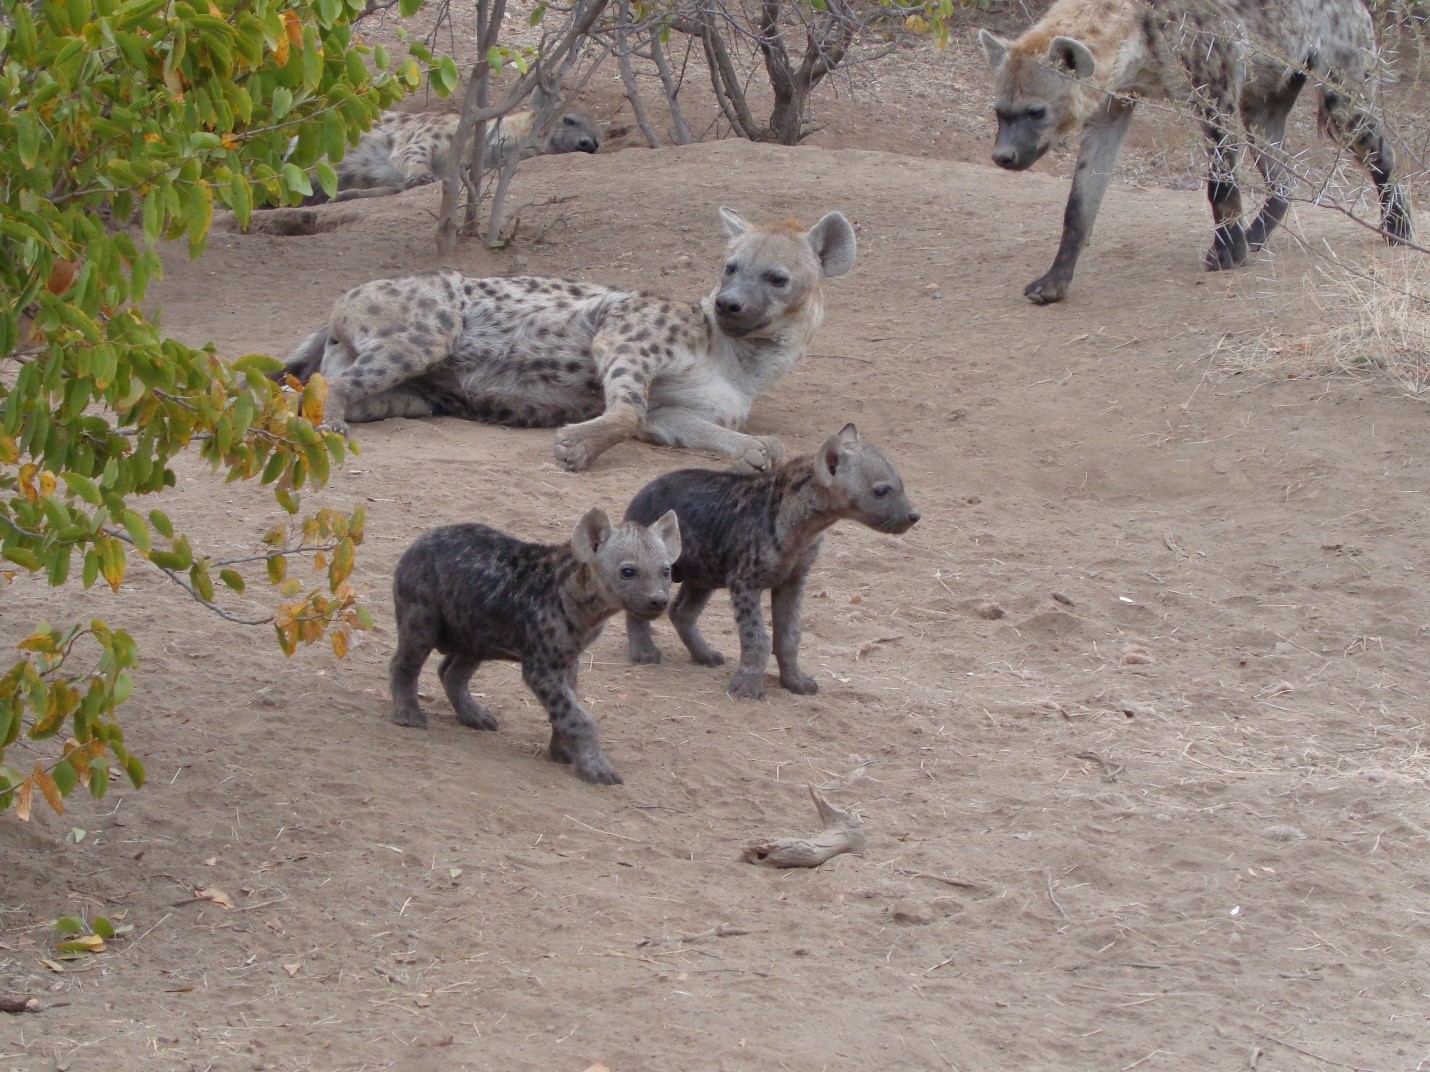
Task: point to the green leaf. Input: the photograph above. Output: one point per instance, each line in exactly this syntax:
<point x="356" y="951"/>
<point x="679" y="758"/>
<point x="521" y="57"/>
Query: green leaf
<point x="135" y="770"/>
<point x="102" y="927"/>
<point x="70" y="925"/>
<point x="233" y="579"/>
<point x="66" y="777"/>
<point x="138" y="531"/>
<point x="408" y="8"/>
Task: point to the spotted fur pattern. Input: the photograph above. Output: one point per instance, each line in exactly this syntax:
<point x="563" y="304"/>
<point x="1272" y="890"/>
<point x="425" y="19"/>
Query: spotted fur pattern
<point x="1087" y="63"/>
<point x="475" y="594"/>
<point x="752" y="532"/>
<point x="606" y="364"/>
<point x="407" y="149"/>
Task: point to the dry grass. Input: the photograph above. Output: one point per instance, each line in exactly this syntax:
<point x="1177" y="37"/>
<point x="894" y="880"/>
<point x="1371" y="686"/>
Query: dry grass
<point x="1372" y="321"/>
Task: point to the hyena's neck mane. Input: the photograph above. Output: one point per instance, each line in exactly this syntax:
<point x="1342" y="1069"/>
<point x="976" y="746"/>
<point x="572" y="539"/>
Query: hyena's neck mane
<point x="757" y="360"/>
<point x="1109" y="28"/>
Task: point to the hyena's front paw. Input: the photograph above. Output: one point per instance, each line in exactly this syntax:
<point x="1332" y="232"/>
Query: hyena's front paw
<point x="586" y="758"/>
<point x="1228" y="249"/>
<point x="574" y="452"/>
<point x="643" y="654"/>
<point x="477" y="717"/>
<point x="747" y="685"/>
<point x="1047" y="289"/>
<point x="798" y="682"/>
<point x="422" y="178"/>
<point x="410" y="716"/>
<point x="761" y="454"/>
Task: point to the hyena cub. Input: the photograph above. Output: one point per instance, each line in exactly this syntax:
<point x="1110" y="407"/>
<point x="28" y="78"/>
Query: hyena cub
<point x="1085" y="65"/>
<point x="474" y="594"/>
<point x="407" y="149"/>
<point x="748" y="532"/>
<point x="609" y="365"/>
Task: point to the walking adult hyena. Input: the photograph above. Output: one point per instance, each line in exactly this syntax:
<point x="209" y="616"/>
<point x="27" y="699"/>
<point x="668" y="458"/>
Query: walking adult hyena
<point x="1087" y="63"/>
<point x="476" y="594"/>
<point x="751" y="531"/>
<point x="535" y="353"/>
<point x="407" y="149"/>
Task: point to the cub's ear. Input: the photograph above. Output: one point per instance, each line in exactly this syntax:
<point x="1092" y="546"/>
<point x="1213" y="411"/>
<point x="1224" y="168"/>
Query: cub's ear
<point x="592" y="532"/>
<point x="833" y="242"/>
<point x="667" y="531"/>
<point x="1072" y="56"/>
<point x="735" y="224"/>
<point x="849" y="435"/>
<point x="831" y="454"/>
<point x="994" y="47"/>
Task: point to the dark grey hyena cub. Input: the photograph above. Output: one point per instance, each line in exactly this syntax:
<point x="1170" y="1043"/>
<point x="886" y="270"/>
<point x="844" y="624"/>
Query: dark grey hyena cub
<point x="473" y="593"/>
<point x="752" y="531"/>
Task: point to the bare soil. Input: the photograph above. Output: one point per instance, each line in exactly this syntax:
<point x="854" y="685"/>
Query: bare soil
<point x="1135" y="717"/>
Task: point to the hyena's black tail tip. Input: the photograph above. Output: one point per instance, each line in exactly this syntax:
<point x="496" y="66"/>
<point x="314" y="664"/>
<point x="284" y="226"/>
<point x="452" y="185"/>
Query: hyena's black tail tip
<point x="305" y="360"/>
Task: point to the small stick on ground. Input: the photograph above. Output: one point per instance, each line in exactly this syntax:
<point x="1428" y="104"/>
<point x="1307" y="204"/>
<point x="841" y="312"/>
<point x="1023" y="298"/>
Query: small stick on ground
<point x="842" y="833"/>
<point x="1047" y="874"/>
<point x="722" y="931"/>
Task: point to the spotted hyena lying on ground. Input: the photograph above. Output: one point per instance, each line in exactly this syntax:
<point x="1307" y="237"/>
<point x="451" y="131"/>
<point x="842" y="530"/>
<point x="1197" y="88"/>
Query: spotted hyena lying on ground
<point x="476" y="594"/>
<point x="404" y="150"/>
<point x="609" y="365"/>
<point x="754" y="531"/>
<point x="1088" y="62"/>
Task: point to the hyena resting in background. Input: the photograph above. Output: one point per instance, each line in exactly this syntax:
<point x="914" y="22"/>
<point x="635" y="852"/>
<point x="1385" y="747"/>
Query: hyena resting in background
<point x="537" y="353"/>
<point x="1088" y="62"/>
<point x="404" y="149"/>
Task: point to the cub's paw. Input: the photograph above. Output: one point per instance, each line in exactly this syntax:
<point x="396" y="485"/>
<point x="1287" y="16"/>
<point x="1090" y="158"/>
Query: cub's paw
<point x="707" y="657"/>
<point x="410" y="716"/>
<point x="800" y="683"/>
<point x="1046" y="290"/>
<point x="644" y="656"/>
<point x="598" y="771"/>
<point x="477" y="718"/>
<point x="747" y="685"/>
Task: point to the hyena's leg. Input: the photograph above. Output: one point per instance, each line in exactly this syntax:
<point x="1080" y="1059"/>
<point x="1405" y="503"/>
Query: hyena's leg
<point x="456" y="671"/>
<point x="416" y="637"/>
<point x="749" y="680"/>
<point x="685" y="610"/>
<point x="1102" y="139"/>
<point x="1218" y="111"/>
<point x="784" y="609"/>
<point x="402" y="401"/>
<point x="675" y="426"/>
<point x="1268" y="127"/>
<point x="573" y="734"/>
<point x="1355" y="127"/>
<point x="391" y="331"/>
<point x="625" y="382"/>
<point x="640" y="644"/>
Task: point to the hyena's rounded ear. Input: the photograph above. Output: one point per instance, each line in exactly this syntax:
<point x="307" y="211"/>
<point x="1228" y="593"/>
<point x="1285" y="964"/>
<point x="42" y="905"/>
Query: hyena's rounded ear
<point x="994" y="47"/>
<point x="667" y="531"/>
<point x="1072" y="56"/>
<point x="849" y="435"/>
<point x="735" y="224"/>
<point x="834" y="244"/>
<point x="830" y="455"/>
<point x="592" y="532"/>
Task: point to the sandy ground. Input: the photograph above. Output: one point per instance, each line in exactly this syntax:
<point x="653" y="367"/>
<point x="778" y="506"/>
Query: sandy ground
<point x="1137" y="710"/>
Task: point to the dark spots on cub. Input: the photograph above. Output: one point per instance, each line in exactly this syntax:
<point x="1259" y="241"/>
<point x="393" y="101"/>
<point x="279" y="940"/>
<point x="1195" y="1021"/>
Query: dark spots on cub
<point x="445" y="321"/>
<point x="427" y="305"/>
<point x="573" y="366"/>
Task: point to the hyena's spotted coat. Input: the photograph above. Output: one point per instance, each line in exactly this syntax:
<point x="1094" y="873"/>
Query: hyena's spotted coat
<point x="1085" y="65"/>
<point x="609" y="365"/>
<point x="407" y="149"/>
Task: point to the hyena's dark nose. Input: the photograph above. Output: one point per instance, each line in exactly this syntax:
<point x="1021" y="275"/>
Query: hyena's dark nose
<point x="728" y="306"/>
<point x="587" y="145"/>
<point x="913" y="517"/>
<point x="658" y="603"/>
<point x="1004" y="156"/>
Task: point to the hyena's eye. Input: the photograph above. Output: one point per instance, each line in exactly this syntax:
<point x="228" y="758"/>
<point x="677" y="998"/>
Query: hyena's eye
<point x="569" y="120"/>
<point x="881" y="490"/>
<point x="777" y="279"/>
<point x="730" y="268"/>
<point x="628" y="572"/>
<point x="665" y="573"/>
<point x="1037" y="113"/>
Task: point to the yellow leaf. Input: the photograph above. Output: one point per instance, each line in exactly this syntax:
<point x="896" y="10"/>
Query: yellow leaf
<point x="294" y="27"/>
<point x="27" y="481"/>
<point x="216" y="895"/>
<point x="48" y="483"/>
<point x="53" y="965"/>
<point x="49" y="788"/>
<point x="315" y="396"/>
<point x="91" y="942"/>
<point x="340" y="645"/>
<point x="23" y="799"/>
